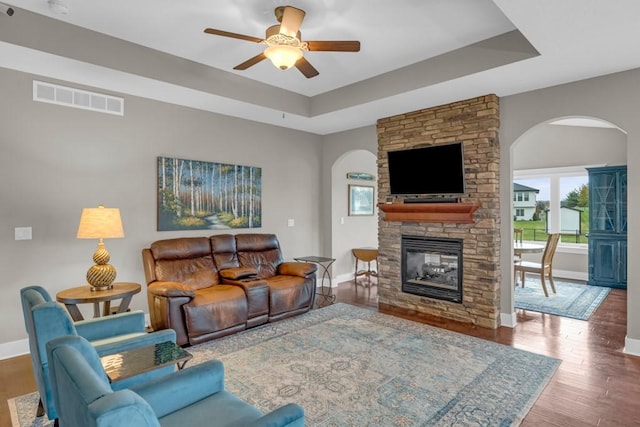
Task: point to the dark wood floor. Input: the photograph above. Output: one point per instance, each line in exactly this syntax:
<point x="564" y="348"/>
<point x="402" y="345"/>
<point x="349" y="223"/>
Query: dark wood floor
<point x="596" y="384"/>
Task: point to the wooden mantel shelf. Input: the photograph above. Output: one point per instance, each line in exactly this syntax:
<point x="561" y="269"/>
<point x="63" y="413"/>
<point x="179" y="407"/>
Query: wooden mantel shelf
<point x="429" y="212"/>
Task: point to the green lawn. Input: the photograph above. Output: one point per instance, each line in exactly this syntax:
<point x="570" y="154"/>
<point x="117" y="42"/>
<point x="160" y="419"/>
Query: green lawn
<point x="535" y="230"/>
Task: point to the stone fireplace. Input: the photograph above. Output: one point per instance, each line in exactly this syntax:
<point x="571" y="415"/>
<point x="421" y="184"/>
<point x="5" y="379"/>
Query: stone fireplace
<point x="461" y="283"/>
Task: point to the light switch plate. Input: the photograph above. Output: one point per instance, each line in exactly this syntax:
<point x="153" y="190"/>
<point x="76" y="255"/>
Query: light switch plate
<point x="290" y="223"/>
<point x="23" y="233"/>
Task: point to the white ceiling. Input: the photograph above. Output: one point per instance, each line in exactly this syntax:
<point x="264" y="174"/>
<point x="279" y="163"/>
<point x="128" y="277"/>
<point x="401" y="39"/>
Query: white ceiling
<point x="413" y="53"/>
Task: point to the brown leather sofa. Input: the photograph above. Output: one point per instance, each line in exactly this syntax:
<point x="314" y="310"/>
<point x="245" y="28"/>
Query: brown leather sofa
<point x="208" y="287"/>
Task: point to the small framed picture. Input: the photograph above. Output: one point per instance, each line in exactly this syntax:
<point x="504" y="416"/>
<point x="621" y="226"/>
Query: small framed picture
<point x="360" y="200"/>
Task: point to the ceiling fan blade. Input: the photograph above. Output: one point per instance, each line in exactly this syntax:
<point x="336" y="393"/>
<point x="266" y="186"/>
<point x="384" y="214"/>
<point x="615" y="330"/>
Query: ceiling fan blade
<point x="291" y="19"/>
<point x="335" y="46"/>
<point x="306" y="68"/>
<point x="232" y="35"/>
<point x="250" y="62"/>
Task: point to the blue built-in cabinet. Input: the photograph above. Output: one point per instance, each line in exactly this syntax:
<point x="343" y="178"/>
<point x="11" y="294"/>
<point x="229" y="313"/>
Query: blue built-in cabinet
<point x="608" y="226"/>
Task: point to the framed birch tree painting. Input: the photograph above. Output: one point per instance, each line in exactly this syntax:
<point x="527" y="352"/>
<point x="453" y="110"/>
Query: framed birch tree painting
<point x="197" y="195"/>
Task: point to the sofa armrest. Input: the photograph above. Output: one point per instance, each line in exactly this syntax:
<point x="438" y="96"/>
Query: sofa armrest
<point x="109" y="326"/>
<point x="302" y="269"/>
<point x="289" y="415"/>
<point x="122" y="407"/>
<point x="238" y="273"/>
<point x="170" y="289"/>
<point x="180" y="389"/>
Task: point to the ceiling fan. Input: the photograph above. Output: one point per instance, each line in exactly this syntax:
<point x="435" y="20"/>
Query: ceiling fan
<point x="285" y="47"/>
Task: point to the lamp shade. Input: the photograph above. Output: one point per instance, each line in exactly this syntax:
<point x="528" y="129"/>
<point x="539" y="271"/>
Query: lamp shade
<point x="100" y="223"/>
<point x="283" y="56"/>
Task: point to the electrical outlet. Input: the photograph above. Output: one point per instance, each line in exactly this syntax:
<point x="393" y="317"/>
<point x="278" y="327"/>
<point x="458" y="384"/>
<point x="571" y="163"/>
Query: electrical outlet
<point x="23" y="233"/>
<point x="290" y="222"/>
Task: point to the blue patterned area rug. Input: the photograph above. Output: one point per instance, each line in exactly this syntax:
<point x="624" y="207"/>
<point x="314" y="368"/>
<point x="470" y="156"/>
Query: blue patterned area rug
<point x="349" y="366"/>
<point x="572" y="300"/>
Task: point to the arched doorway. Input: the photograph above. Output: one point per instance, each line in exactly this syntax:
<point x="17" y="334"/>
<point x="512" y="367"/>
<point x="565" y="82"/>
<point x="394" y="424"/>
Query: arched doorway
<point x="347" y="231"/>
<point x="554" y="154"/>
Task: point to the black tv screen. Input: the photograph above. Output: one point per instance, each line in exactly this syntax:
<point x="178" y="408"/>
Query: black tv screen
<point x="430" y="171"/>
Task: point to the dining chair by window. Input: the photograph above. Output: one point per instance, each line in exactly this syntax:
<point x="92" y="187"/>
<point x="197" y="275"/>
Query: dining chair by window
<point x="517" y="238"/>
<point x="517" y="234"/>
<point x="544" y="267"/>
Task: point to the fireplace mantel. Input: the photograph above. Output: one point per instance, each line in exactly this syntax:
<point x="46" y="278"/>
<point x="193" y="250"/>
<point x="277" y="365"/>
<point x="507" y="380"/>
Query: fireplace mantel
<point x="429" y="212"/>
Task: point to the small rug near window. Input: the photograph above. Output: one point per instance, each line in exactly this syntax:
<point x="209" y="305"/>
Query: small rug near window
<point x="571" y="300"/>
<point x="348" y="366"/>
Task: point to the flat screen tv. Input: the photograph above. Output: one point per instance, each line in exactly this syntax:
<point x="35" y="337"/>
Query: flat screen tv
<point x="437" y="170"/>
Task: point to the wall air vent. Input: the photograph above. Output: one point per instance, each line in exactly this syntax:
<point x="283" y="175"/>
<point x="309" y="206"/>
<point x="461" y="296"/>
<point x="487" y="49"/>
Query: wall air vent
<point x="70" y="97"/>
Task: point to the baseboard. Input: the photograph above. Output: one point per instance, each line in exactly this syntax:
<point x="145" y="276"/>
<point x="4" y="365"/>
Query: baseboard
<point x="14" y="349"/>
<point x="508" y="320"/>
<point x="573" y="275"/>
<point x="631" y="346"/>
<point x="334" y="280"/>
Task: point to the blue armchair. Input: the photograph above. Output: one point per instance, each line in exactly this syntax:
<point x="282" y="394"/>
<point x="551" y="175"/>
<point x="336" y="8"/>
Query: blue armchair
<point x="194" y="396"/>
<point x="46" y="319"/>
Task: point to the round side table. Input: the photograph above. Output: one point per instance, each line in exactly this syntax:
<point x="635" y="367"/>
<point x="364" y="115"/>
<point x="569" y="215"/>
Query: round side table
<point x="84" y="295"/>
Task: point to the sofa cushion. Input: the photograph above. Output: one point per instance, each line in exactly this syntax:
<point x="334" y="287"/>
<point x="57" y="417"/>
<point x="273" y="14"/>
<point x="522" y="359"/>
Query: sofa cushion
<point x="186" y="260"/>
<point x="215" y="309"/>
<point x="259" y="251"/>
<point x="223" y="247"/>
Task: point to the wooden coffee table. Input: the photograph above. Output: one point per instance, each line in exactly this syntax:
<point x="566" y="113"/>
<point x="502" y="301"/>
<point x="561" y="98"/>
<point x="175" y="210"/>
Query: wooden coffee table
<point x="139" y="360"/>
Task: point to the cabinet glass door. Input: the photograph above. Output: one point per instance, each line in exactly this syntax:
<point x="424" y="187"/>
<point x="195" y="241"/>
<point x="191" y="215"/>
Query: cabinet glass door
<point x="603" y="192"/>
<point x="622" y="185"/>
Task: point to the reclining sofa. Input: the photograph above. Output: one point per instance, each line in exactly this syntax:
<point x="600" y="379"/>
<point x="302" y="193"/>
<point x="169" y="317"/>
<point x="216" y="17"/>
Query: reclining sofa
<point x="208" y="287"/>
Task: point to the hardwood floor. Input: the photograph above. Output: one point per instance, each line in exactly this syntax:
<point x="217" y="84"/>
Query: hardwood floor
<point x="596" y="384"/>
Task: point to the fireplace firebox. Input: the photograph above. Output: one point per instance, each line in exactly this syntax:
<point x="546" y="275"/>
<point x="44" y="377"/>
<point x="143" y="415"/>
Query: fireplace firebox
<point x="432" y="267"/>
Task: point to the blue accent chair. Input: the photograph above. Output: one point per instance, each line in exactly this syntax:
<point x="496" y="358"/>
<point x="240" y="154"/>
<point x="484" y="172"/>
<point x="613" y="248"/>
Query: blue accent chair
<point x="46" y="319"/>
<point x="194" y="396"/>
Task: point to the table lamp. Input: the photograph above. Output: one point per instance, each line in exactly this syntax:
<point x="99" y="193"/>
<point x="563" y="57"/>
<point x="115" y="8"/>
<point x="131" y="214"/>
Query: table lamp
<point x="100" y="223"/>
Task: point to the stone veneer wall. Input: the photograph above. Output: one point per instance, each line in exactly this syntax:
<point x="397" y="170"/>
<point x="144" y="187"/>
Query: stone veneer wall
<point x="476" y="123"/>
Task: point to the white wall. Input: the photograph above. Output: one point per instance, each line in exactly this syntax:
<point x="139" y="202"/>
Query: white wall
<point x="56" y="160"/>
<point x="351" y="231"/>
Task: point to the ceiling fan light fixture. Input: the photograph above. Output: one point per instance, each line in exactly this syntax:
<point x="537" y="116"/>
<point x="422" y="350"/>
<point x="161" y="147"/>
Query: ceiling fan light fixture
<point x="283" y="56"/>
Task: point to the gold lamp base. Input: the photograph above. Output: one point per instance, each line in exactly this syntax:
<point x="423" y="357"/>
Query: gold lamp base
<point x="101" y="275"/>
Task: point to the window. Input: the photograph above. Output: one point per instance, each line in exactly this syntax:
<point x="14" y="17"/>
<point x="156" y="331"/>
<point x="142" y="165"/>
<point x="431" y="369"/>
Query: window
<point x="526" y="197"/>
<point x="562" y="203"/>
<point x="519" y="212"/>
<point x="519" y="197"/>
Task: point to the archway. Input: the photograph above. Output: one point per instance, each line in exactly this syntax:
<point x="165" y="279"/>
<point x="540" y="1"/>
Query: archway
<point x="558" y="150"/>
<point x="347" y="231"/>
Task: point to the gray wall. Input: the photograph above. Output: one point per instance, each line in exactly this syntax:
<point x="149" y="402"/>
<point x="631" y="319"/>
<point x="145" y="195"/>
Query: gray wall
<point x="56" y="160"/>
<point x="614" y="98"/>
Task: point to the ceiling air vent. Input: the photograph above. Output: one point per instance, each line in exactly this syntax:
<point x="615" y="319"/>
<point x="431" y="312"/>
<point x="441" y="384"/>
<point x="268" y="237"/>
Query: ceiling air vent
<point x="70" y="97"/>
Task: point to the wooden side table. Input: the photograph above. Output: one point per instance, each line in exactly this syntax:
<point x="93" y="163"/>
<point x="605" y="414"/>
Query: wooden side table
<point x="365" y="255"/>
<point x="84" y="295"/>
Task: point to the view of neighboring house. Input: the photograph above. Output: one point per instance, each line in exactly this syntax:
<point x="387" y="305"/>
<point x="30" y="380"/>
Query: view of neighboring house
<point x="524" y="202"/>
